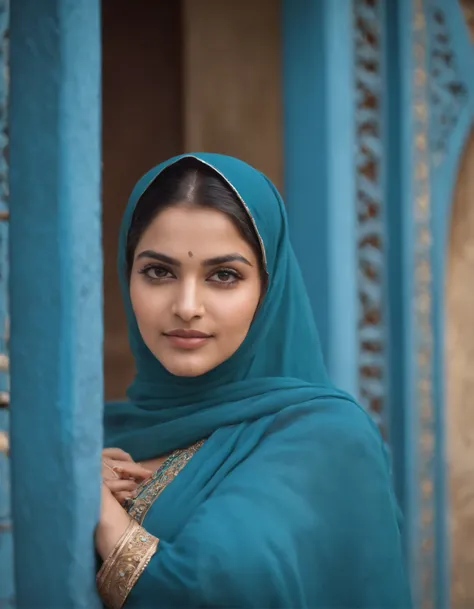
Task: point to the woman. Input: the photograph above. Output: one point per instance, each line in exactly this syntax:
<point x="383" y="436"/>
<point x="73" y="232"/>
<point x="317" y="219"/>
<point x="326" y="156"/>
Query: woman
<point x="270" y="487"/>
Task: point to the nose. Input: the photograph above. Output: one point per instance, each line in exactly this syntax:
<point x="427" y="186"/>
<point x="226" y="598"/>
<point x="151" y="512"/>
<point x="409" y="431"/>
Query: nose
<point x="188" y="304"/>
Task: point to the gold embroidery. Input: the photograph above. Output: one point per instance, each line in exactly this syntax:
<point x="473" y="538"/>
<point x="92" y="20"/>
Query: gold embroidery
<point x="121" y="570"/>
<point x="149" y="491"/>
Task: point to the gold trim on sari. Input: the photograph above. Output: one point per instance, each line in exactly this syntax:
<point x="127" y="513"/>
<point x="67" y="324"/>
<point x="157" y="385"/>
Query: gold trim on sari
<point x="149" y="491"/>
<point x="122" y="568"/>
<point x="120" y="572"/>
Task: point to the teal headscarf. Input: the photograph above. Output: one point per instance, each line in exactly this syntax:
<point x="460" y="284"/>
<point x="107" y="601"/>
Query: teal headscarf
<point x="289" y="502"/>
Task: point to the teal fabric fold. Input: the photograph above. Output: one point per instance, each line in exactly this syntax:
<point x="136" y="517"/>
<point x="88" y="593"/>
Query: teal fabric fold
<point x="289" y="503"/>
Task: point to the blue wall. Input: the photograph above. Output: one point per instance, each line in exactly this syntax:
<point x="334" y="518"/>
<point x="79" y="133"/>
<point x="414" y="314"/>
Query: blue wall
<point x="56" y="305"/>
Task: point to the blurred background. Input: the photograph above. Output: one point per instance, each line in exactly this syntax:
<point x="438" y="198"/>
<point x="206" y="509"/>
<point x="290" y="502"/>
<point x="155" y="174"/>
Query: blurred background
<point x="192" y="76"/>
<point x="362" y="114"/>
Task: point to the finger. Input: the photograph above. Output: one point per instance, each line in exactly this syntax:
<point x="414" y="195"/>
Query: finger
<point x="118" y="486"/>
<point x="108" y="474"/>
<point x="133" y="470"/>
<point x="123" y="497"/>
<point x="108" y="471"/>
<point x="117" y="454"/>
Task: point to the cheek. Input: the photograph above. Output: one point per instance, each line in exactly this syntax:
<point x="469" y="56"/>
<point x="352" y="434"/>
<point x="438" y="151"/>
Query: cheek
<point x="144" y="304"/>
<point x="237" y="313"/>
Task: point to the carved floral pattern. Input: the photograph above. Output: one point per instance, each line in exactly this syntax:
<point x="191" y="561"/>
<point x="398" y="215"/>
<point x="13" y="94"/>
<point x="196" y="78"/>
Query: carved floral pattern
<point x="369" y="175"/>
<point x="448" y="92"/>
<point x="438" y="95"/>
<point x="422" y="312"/>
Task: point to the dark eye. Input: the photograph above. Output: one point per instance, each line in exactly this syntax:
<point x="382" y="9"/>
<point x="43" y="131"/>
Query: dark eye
<point x="155" y="272"/>
<point x="225" y="276"/>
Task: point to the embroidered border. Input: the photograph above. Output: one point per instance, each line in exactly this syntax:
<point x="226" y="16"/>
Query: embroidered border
<point x="369" y="48"/>
<point x="121" y="570"/>
<point x="149" y="491"/>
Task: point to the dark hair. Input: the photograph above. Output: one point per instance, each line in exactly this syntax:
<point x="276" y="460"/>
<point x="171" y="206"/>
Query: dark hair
<point x="191" y="181"/>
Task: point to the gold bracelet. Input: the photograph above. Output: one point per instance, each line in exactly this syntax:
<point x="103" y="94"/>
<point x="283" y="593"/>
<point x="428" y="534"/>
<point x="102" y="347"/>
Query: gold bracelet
<point x="127" y="561"/>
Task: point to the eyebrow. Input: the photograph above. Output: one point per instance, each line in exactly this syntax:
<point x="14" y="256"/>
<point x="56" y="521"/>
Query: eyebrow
<point x="209" y="262"/>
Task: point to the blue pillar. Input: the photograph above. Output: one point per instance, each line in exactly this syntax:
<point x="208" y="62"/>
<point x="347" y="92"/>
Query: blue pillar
<point x="340" y="146"/>
<point x="55" y="287"/>
<point x="319" y="177"/>
<point x="342" y="183"/>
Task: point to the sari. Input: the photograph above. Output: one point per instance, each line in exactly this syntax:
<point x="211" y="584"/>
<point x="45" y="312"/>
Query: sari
<point x="278" y="490"/>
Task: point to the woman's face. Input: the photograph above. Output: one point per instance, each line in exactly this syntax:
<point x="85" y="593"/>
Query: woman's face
<point x="195" y="286"/>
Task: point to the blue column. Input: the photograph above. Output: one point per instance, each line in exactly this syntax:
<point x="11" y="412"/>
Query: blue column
<point x="340" y="147"/>
<point x="319" y="151"/>
<point x="342" y="180"/>
<point x="56" y="320"/>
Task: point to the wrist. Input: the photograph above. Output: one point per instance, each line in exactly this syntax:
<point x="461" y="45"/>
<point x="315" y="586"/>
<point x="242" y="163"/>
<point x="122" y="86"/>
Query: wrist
<point x="110" y="510"/>
<point x="112" y="525"/>
<point x="109" y="533"/>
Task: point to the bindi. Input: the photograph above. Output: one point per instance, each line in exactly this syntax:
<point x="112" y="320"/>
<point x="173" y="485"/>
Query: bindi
<point x="190" y="254"/>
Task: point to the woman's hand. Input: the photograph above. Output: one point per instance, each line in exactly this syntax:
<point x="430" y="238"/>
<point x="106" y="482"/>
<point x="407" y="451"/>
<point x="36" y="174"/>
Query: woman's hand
<point x="112" y="524"/>
<point x="121" y="474"/>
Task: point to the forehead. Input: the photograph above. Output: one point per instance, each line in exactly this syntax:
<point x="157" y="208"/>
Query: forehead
<point x="203" y="231"/>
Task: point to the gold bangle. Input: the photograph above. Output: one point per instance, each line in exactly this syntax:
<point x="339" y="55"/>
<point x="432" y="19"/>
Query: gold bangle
<point x="127" y="561"/>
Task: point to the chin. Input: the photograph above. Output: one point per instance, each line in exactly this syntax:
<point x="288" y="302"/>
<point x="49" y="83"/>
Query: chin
<point x="186" y="368"/>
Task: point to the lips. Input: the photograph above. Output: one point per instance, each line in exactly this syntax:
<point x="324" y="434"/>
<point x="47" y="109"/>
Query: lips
<point x="187" y="334"/>
<point x="187" y="339"/>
